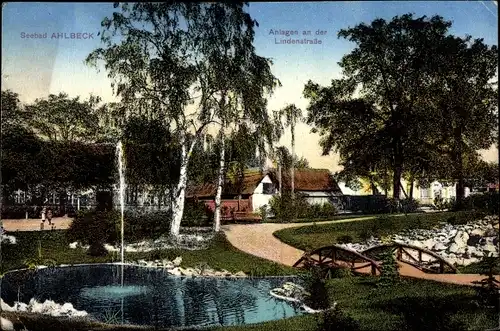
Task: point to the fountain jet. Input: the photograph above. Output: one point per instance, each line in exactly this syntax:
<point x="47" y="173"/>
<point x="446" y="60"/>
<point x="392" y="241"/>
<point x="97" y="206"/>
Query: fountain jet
<point x="121" y="172"/>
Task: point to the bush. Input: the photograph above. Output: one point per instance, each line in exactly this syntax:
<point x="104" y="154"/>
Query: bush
<point x="409" y="205"/>
<point x="104" y="226"/>
<point x="486" y="202"/>
<point x="336" y="320"/>
<point x="464" y="217"/>
<point x="97" y="249"/>
<point x="340" y="272"/>
<point x="263" y="213"/>
<point x="368" y="204"/>
<point x="389" y="274"/>
<point x="285" y="209"/>
<point x="315" y="284"/>
<point x="428" y="313"/>
<point x="345" y="239"/>
<point x="197" y="213"/>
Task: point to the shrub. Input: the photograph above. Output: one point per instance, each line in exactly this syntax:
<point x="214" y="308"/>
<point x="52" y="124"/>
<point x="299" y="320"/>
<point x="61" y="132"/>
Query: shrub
<point x="336" y="320"/>
<point x="389" y="274"/>
<point x="328" y="210"/>
<point x="315" y="284"/>
<point x="409" y="205"/>
<point x="263" y="213"/>
<point x="488" y="291"/>
<point x="428" y="313"/>
<point x="487" y="202"/>
<point x="345" y="239"/>
<point x="197" y="213"/>
<point x="464" y="217"/>
<point x="104" y="226"/>
<point x="285" y="209"/>
<point x="97" y="249"/>
<point x="442" y="204"/>
<point x="340" y="272"/>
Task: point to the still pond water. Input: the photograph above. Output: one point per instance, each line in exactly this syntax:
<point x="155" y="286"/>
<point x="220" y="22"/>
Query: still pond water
<point x="151" y="296"/>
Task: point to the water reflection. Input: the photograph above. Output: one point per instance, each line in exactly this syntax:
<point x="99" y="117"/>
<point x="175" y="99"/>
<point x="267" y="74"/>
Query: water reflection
<point x="152" y="297"/>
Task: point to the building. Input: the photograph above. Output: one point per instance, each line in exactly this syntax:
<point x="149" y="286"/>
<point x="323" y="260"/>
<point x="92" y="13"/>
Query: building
<point x="316" y="185"/>
<point x="256" y="189"/>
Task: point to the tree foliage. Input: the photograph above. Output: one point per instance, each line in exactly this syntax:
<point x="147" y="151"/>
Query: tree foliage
<point x="414" y="101"/>
<point x="61" y="118"/>
<point x="189" y="65"/>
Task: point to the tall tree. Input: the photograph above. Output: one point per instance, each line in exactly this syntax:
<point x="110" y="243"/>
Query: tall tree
<point x="464" y="102"/>
<point x="291" y="115"/>
<point x="60" y="118"/>
<point x="167" y="55"/>
<point x="385" y="77"/>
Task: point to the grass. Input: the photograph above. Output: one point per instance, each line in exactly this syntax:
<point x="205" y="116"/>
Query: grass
<point x="408" y="305"/>
<point x="315" y="236"/>
<point x="54" y="245"/>
<point x="325" y="219"/>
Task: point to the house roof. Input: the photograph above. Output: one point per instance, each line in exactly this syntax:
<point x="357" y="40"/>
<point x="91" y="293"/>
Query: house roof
<point x="248" y="184"/>
<point x="305" y="180"/>
<point x="311" y="180"/>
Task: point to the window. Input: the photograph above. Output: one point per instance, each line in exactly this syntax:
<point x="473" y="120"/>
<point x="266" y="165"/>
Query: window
<point x="424" y="193"/>
<point x="267" y="188"/>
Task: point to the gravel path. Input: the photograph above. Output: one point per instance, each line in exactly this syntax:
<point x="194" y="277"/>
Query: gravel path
<point x="31" y="224"/>
<point x="258" y="240"/>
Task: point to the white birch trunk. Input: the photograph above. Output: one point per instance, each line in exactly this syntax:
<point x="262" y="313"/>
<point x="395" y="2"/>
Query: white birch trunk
<point x="279" y="178"/>
<point x="220" y="182"/>
<point x="178" y="201"/>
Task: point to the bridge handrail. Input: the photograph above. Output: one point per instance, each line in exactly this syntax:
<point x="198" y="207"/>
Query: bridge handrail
<point x="423" y="250"/>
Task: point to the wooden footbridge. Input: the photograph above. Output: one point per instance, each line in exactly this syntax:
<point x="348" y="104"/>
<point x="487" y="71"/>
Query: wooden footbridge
<point x="368" y="261"/>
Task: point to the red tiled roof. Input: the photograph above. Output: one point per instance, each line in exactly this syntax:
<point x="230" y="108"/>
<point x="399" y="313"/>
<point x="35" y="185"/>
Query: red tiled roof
<point x="311" y="180"/>
<point x="247" y="186"/>
<point x="305" y="180"/>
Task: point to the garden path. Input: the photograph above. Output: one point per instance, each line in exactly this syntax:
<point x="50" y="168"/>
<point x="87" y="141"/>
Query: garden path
<point x="258" y="240"/>
<point x="33" y="224"/>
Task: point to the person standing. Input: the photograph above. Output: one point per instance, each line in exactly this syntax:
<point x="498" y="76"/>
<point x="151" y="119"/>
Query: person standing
<point x="44" y="211"/>
<point x="49" y="215"/>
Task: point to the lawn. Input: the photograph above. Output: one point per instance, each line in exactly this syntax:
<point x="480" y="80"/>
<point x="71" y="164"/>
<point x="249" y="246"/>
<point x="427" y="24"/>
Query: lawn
<point x="408" y="305"/>
<point x="54" y="245"/>
<point x="325" y="219"/>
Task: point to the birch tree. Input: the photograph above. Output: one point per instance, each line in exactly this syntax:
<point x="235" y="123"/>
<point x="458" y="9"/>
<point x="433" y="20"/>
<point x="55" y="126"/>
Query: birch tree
<point x="177" y="61"/>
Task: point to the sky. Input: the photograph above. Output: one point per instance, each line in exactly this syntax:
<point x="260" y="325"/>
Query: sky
<point x="35" y="68"/>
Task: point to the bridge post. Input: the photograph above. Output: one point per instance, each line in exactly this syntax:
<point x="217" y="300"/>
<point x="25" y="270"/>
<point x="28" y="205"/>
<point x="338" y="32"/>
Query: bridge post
<point x="399" y="253"/>
<point x="419" y="256"/>
<point x="441" y="267"/>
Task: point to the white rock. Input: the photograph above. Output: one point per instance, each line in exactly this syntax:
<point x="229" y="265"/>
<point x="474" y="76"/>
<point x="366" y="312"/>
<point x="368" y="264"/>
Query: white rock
<point x="73" y="245"/>
<point x="20" y="306"/>
<point x="177" y="261"/>
<point x="477" y="232"/>
<point x="489" y="247"/>
<point x="461" y="238"/>
<point x="175" y="271"/>
<point x="6" y="307"/>
<point x="6" y="325"/>
<point x="8" y="239"/>
<point x="439" y="247"/>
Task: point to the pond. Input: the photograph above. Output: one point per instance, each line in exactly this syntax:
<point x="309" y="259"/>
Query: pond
<point x="151" y="296"/>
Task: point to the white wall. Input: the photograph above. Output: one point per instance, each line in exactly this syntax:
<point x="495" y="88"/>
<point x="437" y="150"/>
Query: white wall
<point x="260" y="199"/>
